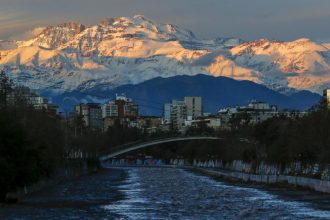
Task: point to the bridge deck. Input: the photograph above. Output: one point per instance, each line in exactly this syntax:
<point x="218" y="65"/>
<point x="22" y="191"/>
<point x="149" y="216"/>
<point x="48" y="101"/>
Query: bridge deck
<point x="151" y="143"/>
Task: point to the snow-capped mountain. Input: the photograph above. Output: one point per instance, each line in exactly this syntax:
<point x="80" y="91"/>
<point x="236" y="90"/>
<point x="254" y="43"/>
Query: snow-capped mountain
<point x="120" y="51"/>
<point x="300" y="64"/>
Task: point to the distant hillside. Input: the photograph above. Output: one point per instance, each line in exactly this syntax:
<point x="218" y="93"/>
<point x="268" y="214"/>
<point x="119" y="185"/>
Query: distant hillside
<point x="217" y="92"/>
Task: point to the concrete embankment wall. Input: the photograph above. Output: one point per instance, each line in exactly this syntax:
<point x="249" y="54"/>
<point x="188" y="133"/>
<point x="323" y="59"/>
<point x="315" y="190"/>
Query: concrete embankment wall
<point x="71" y="170"/>
<point x="314" y="184"/>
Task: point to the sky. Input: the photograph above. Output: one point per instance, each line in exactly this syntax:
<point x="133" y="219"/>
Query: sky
<point x="246" y="19"/>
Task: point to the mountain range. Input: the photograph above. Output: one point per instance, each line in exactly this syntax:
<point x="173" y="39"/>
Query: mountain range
<point x="216" y="92"/>
<point x="75" y="58"/>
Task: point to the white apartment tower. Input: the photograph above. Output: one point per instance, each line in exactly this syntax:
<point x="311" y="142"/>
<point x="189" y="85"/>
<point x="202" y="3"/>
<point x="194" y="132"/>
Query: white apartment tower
<point x="178" y="111"/>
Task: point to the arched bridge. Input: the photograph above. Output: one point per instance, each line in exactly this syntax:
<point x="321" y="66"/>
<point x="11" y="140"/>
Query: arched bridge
<point x="131" y="147"/>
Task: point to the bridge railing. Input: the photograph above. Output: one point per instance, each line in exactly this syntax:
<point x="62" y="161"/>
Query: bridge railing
<point x="133" y="143"/>
<point x="142" y="141"/>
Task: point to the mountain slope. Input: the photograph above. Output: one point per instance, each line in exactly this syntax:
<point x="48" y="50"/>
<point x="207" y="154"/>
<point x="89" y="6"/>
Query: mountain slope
<point x="118" y="51"/>
<point x="217" y="92"/>
<point x="300" y="64"/>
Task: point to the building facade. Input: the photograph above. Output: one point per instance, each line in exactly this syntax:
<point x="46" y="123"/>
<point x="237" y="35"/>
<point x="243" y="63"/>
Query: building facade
<point x="254" y="112"/>
<point x="42" y="103"/>
<point x="121" y="107"/>
<point x="109" y="110"/>
<point x="167" y="113"/>
<point x="122" y="110"/>
<point x="326" y="96"/>
<point x="178" y="112"/>
<point x="91" y="114"/>
<point x="194" y="106"/>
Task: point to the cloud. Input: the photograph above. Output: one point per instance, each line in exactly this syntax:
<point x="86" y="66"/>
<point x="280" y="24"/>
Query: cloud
<point x="28" y="34"/>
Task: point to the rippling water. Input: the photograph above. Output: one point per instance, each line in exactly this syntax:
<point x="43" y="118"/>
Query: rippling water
<point x="178" y="194"/>
<point x="165" y="193"/>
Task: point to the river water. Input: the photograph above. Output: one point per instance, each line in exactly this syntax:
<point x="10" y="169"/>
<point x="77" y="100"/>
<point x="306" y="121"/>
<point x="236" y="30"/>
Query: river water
<point x="165" y="193"/>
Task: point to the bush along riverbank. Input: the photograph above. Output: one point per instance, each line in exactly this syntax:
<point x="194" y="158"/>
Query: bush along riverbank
<point x="292" y="149"/>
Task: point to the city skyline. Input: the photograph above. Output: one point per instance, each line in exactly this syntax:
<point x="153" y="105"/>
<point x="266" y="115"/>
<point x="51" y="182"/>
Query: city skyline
<point x="207" y="19"/>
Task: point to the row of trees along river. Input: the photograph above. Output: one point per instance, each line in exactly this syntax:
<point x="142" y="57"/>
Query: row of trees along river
<point x="34" y="144"/>
<point x="287" y="145"/>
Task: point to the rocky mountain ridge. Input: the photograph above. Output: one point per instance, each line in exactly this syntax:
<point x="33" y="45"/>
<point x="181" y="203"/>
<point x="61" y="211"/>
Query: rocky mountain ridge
<point x="120" y="51"/>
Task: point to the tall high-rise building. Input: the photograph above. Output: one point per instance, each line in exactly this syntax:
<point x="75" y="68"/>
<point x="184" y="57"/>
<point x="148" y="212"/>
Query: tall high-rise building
<point x="194" y="106"/>
<point x="178" y="114"/>
<point x="167" y="113"/>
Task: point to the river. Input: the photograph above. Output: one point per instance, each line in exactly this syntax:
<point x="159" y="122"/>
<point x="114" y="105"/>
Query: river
<point x="165" y="193"/>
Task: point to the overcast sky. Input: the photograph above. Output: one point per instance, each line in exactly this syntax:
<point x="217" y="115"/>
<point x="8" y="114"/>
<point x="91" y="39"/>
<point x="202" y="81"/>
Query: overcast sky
<point x="246" y="19"/>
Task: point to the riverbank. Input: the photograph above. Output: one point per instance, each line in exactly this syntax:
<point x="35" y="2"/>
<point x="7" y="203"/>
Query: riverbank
<point x="292" y="181"/>
<point x="83" y="197"/>
<point x="68" y="172"/>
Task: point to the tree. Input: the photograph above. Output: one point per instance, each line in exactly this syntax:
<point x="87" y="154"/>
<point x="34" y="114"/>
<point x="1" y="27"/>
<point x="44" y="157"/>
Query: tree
<point x="24" y="156"/>
<point x="200" y="129"/>
<point x="6" y="86"/>
<point x="239" y="119"/>
<point x="79" y="125"/>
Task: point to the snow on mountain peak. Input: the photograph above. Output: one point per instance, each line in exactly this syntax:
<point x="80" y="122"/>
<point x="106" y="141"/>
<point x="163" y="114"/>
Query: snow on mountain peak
<point x="124" y="50"/>
<point x="52" y="37"/>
